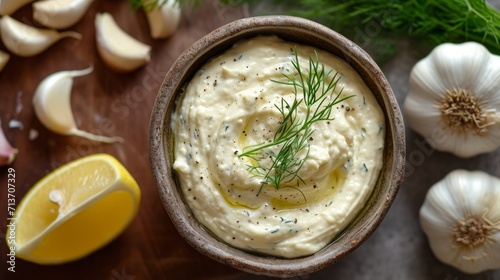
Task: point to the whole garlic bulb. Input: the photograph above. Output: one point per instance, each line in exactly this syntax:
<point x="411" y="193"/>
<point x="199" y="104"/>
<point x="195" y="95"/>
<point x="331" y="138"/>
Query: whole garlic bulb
<point x="454" y="99"/>
<point x="461" y="218"/>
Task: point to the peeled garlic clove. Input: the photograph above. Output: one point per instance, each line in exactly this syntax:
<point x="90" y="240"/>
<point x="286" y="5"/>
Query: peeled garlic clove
<point x="52" y="105"/>
<point x="60" y="14"/>
<point x="25" y="40"/>
<point x="4" y="58"/>
<point x="8" y="7"/>
<point x="163" y="20"/>
<point x="118" y="49"/>
<point x="7" y="152"/>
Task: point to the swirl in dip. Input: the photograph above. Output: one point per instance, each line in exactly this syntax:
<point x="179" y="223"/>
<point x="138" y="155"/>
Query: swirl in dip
<point x="230" y="104"/>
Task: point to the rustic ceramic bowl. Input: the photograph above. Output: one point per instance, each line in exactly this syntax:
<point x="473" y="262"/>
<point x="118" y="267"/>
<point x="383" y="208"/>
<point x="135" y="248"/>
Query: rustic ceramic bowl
<point x="161" y="155"/>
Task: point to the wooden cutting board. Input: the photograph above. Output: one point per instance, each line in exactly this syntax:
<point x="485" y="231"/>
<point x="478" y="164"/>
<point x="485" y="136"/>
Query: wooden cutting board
<point x="109" y="103"/>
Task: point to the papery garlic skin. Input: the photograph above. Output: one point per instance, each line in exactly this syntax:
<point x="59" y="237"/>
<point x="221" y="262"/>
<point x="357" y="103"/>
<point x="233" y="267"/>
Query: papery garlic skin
<point x="24" y="40"/>
<point x="119" y="50"/>
<point x="52" y="104"/>
<point x="60" y="14"/>
<point x="466" y="68"/>
<point x="471" y="198"/>
<point x="7" y="7"/>
<point x="164" y="19"/>
<point x="7" y="152"/>
<point x="4" y="58"/>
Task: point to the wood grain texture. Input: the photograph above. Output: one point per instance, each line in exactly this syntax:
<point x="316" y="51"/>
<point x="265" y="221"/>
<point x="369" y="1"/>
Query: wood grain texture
<point x="109" y="103"/>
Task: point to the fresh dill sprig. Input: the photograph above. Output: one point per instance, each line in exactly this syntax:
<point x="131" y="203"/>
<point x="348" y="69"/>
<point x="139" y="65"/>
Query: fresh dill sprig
<point x="294" y="132"/>
<point x="436" y="21"/>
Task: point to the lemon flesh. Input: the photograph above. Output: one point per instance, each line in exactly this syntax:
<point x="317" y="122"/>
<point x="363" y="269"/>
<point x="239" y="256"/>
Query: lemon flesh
<point x="75" y="210"/>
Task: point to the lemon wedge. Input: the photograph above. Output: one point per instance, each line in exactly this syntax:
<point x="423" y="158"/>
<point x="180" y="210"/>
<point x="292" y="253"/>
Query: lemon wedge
<point x="75" y="210"/>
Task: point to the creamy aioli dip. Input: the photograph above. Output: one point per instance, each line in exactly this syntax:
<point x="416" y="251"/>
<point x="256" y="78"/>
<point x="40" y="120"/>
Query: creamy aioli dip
<point x="230" y="104"/>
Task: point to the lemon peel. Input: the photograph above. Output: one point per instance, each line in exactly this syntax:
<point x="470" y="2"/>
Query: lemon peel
<point x="75" y="210"/>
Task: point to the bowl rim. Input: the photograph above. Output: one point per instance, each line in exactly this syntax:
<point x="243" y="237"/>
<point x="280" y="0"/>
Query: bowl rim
<point x="172" y="201"/>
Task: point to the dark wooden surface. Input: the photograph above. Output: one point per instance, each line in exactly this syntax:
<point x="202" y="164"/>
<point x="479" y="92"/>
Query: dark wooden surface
<point x="107" y="103"/>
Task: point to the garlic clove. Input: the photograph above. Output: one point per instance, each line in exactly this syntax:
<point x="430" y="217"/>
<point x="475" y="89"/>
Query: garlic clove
<point x="118" y="49"/>
<point x="60" y="14"/>
<point x="4" y="58"/>
<point x="52" y="103"/>
<point x="163" y="20"/>
<point x="8" y="7"/>
<point x="25" y="40"/>
<point x="488" y="83"/>
<point x="7" y="152"/>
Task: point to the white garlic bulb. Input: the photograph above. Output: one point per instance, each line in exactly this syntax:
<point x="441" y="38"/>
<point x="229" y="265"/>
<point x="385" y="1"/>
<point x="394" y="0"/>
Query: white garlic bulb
<point x="163" y="20"/>
<point x="461" y="218"/>
<point x="25" y="40"/>
<point x="454" y="99"/>
<point x="60" y="14"/>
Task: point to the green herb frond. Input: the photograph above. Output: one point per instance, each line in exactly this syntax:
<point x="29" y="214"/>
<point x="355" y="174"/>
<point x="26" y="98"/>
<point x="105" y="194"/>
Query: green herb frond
<point x="371" y="23"/>
<point x="291" y="139"/>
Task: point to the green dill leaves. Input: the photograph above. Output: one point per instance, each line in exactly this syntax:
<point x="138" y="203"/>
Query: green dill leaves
<point x="376" y="25"/>
<point x="313" y="87"/>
